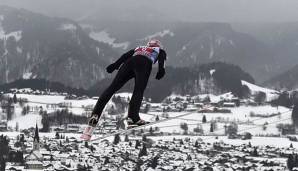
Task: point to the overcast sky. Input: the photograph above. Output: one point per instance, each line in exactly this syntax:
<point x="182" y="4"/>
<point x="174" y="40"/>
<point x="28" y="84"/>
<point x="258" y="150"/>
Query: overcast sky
<point x="183" y="10"/>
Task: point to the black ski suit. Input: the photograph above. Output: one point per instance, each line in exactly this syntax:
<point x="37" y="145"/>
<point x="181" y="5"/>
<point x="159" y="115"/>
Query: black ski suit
<point x="132" y="66"/>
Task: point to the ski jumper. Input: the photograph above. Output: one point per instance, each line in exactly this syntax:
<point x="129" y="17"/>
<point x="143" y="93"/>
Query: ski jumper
<point x="137" y="64"/>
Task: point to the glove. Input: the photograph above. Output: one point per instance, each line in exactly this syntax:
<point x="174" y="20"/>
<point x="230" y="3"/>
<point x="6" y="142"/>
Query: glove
<point x="160" y="74"/>
<point x="111" y="68"/>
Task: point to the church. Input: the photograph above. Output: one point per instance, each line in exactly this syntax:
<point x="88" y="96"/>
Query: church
<point x="34" y="160"/>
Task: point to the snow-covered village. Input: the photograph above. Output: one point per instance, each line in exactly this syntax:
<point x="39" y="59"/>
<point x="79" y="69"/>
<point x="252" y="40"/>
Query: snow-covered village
<point x="213" y="133"/>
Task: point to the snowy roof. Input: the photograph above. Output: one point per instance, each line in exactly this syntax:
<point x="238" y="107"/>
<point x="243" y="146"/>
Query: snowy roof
<point x="35" y="162"/>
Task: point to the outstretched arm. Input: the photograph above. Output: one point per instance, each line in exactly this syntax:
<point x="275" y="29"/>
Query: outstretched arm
<point x="120" y="61"/>
<point x="124" y="57"/>
<point x="161" y="64"/>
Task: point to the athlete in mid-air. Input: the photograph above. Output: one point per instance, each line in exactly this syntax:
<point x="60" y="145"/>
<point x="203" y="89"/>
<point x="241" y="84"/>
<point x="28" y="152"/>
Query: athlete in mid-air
<point x="136" y="63"/>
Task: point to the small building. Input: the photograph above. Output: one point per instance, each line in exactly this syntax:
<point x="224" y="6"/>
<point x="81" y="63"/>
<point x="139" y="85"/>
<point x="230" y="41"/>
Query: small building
<point x="65" y="104"/>
<point x="95" y="98"/>
<point x="191" y="108"/>
<point x="73" y="128"/>
<point x="199" y="104"/>
<point x="34" y="165"/>
<point x="214" y="103"/>
<point x="229" y="104"/>
<point x="14" y="168"/>
<point x="3" y="125"/>
<point x="110" y="126"/>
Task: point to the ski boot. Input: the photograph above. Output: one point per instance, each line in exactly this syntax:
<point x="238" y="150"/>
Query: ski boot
<point x="131" y="124"/>
<point x="86" y="136"/>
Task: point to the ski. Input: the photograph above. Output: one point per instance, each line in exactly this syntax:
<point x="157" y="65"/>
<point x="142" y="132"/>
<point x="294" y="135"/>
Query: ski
<point x="140" y="127"/>
<point x="88" y="131"/>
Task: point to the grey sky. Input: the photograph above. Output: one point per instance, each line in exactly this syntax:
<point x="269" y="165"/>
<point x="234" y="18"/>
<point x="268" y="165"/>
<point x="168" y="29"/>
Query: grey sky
<point x="185" y="10"/>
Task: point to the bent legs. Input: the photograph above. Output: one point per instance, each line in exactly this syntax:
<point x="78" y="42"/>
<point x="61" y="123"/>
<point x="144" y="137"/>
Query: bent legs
<point x="121" y="78"/>
<point x="141" y="81"/>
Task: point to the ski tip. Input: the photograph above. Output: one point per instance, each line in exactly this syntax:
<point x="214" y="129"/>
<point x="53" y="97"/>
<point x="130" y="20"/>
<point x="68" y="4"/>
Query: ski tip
<point x="85" y="137"/>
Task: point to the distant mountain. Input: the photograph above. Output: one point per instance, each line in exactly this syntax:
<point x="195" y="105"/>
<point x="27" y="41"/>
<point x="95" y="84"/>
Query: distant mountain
<point x="262" y="49"/>
<point x="189" y="44"/>
<point x="287" y="80"/>
<point x="281" y="38"/>
<point x="213" y="78"/>
<point x="55" y="49"/>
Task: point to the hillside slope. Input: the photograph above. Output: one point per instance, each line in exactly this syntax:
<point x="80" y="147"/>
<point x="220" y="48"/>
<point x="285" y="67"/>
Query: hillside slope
<point x="36" y="46"/>
<point x="287" y="80"/>
<point x="189" y="44"/>
<point x="207" y="78"/>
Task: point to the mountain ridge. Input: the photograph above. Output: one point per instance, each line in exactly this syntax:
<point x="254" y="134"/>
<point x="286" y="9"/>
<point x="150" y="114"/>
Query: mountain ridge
<point x="195" y="43"/>
<point x="55" y="49"/>
<point x="203" y="79"/>
<point x="190" y="80"/>
<point x="286" y="80"/>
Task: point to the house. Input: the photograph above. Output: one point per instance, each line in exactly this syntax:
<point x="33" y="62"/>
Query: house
<point x="229" y="104"/>
<point x="65" y="104"/>
<point x="221" y="110"/>
<point x="62" y="157"/>
<point x="73" y="128"/>
<point x="95" y="98"/>
<point x="3" y="125"/>
<point x="207" y="110"/>
<point x="188" y="98"/>
<point x="14" y="168"/>
<point x="191" y="108"/>
<point x="179" y="105"/>
<point x="110" y="125"/>
<point x="198" y="104"/>
<point x="57" y="129"/>
<point x="214" y="103"/>
<point x="7" y="107"/>
<point x="34" y="165"/>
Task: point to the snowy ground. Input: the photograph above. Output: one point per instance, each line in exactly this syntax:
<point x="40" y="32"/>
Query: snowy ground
<point x="25" y="122"/>
<point x="255" y="141"/>
<point x="241" y="114"/>
<point x="270" y="94"/>
<point x="49" y="103"/>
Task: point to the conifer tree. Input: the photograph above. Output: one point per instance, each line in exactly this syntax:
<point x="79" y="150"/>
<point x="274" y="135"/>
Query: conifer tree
<point x="143" y="151"/>
<point x="126" y="139"/>
<point x="116" y="139"/>
<point x="204" y="120"/>
<point x="137" y="144"/>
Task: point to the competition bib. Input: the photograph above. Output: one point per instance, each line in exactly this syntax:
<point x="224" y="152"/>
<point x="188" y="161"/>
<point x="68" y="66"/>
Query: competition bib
<point x="150" y="52"/>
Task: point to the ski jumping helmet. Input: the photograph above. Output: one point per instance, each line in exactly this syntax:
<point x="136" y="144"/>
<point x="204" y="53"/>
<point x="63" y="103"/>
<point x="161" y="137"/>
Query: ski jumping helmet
<point x="154" y="43"/>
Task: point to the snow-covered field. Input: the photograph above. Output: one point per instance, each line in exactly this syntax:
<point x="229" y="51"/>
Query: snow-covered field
<point x="249" y="118"/>
<point x="50" y="104"/>
<point x="240" y="115"/>
<point x="25" y="122"/>
<point x="270" y="94"/>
